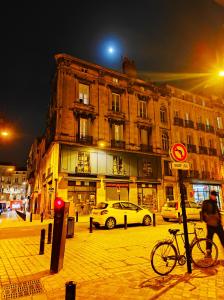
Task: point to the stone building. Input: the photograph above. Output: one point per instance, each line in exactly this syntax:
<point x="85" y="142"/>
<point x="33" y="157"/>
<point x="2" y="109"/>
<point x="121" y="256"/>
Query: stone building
<point x="108" y="136"/>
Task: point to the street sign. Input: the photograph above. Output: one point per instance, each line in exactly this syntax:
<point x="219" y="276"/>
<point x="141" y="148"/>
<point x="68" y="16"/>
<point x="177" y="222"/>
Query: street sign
<point x="180" y="166"/>
<point x="178" y="152"/>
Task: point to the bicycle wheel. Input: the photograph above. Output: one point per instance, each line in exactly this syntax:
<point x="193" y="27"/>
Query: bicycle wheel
<point x="199" y="254"/>
<point x="163" y="258"/>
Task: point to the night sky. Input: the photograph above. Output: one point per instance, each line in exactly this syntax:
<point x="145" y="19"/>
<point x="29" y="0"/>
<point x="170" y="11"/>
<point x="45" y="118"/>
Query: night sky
<point x="160" y="35"/>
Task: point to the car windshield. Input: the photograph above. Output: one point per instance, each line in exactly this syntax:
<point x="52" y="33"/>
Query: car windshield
<point x="102" y="205"/>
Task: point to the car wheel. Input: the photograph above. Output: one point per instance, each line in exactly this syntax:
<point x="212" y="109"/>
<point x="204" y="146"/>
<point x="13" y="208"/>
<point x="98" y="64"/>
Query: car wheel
<point x="110" y="223"/>
<point x="166" y="219"/>
<point x="97" y="226"/>
<point x="147" y="220"/>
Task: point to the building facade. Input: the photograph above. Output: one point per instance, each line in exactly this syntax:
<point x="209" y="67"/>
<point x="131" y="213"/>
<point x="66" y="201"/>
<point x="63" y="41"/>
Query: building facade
<point x="13" y="187"/>
<point x="108" y="137"/>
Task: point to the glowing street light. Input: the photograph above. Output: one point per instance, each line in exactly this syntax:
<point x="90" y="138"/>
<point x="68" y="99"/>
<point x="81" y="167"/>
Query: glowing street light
<point x="221" y="73"/>
<point x="4" y="133"/>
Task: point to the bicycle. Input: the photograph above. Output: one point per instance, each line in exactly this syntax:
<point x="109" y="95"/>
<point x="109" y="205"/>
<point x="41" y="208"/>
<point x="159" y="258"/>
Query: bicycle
<point x="166" y="254"/>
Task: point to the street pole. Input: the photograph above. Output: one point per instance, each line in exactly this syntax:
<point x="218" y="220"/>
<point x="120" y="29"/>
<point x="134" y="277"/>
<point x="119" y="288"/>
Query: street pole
<point x="186" y="239"/>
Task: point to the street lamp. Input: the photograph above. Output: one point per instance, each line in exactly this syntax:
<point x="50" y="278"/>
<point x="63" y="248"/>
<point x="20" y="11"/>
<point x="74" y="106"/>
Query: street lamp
<point x="221" y="73"/>
<point x="4" y="133"/>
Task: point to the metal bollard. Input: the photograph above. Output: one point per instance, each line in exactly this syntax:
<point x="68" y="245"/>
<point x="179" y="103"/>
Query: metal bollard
<point x="41" y="217"/>
<point x="49" y="233"/>
<point x="154" y="219"/>
<point x="90" y="224"/>
<point x="31" y="217"/>
<point x="70" y="290"/>
<point x="125" y="222"/>
<point x="42" y="240"/>
<point x="76" y="216"/>
<point x="179" y="218"/>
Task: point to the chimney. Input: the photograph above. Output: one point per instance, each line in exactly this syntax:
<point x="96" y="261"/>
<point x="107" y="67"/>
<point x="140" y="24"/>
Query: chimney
<point x="128" y="67"/>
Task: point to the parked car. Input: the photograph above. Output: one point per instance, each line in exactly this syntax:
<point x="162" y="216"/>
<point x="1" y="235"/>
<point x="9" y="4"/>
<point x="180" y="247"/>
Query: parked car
<point x="110" y="214"/>
<point x="173" y="210"/>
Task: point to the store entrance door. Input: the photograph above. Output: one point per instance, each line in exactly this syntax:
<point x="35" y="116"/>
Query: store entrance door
<point x="84" y="202"/>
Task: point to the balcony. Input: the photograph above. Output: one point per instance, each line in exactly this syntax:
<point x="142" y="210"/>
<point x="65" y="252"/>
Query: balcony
<point x="220" y="132"/>
<point x="117" y="144"/>
<point x="212" y="151"/>
<point x="209" y="128"/>
<point x="178" y="121"/>
<point x="188" y="123"/>
<point x="146" y="148"/>
<point x="191" y="148"/>
<point x="203" y="150"/>
<point x="84" y="139"/>
<point x="201" y="126"/>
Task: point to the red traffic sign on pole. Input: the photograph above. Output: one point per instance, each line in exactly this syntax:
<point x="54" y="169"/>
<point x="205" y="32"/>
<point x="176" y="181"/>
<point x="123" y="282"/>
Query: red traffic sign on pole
<point x="178" y="152"/>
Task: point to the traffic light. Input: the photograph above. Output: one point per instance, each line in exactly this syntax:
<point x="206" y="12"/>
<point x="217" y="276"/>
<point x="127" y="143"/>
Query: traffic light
<point x="61" y="209"/>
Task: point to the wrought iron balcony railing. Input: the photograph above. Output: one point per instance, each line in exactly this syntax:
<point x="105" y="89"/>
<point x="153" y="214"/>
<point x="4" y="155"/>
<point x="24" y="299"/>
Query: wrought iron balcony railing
<point x="203" y="150"/>
<point x="117" y="144"/>
<point x="178" y="121"/>
<point x="146" y="148"/>
<point x="191" y="148"/>
<point x="84" y="139"/>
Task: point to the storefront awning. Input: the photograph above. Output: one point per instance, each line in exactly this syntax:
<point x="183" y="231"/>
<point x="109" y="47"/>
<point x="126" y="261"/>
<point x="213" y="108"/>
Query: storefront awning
<point x="73" y="178"/>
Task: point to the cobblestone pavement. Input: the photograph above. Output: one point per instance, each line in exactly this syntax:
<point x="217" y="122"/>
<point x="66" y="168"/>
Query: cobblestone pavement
<point x="106" y="264"/>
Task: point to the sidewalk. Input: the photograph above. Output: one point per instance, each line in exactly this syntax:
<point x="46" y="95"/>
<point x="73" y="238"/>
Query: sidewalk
<point x="106" y="264"/>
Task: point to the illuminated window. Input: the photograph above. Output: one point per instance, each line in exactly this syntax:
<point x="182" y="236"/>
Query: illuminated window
<point x="147" y="168"/>
<point x="163" y="114"/>
<point x="115" y="102"/>
<point x="83" y="165"/>
<point x="142" y="109"/>
<point x="117" y="132"/>
<point x="165" y="141"/>
<point x="83" y="93"/>
<point x="118" y="165"/>
<point x="222" y="145"/>
<point x="219" y="123"/>
<point x="83" y="127"/>
<point x="115" y="80"/>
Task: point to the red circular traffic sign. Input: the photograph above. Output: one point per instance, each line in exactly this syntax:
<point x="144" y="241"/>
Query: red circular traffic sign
<point x="178" y="152"/>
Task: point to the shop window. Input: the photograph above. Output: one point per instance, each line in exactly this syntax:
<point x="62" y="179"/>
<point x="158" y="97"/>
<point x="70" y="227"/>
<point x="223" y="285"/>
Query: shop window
<point x="163" y="114"/>
<point x="165" y="141"/>
<point x="115" y="102"/>
<point x="83" y="165"/>
<point x="169" y="193"/>
<point x="167" y="170"/>
<point x="142" y="109"/>
<point x="118" y="165"/>
<point x="147" y="168"/>
<point x="83" y="93"/>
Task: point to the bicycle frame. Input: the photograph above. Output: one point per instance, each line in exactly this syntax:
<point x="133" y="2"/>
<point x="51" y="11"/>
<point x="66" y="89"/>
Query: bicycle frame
<point x="174" y="239"/>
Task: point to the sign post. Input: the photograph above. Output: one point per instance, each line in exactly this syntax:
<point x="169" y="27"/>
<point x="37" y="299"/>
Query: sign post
<point x="178" y="153"/>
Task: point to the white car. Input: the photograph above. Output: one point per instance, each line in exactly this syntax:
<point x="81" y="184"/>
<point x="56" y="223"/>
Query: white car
<point x="110" y="214"/>
<point x="173" y="210"/>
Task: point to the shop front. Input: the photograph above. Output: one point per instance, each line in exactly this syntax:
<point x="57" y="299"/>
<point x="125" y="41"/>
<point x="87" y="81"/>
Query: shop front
<point x="82" y="194"/>
<point x="147" y="195"/>
<point x="117" y="191"/>
<point x="201" y="192"/>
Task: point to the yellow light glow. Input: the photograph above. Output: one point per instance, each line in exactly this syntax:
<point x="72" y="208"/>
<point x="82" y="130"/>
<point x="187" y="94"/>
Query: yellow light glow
<point x="221" y="73"/>
<point x="101" y="143"/>
<point x="4" y="133"/>
<point x="10" y="169"/>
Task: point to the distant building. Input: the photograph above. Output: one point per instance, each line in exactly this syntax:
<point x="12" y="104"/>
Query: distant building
<point x="108" y="137"/>
<point x="13" y="187"/>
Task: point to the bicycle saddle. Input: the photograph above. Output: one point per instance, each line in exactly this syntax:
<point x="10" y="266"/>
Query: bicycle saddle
<point x="173" y="231"/>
